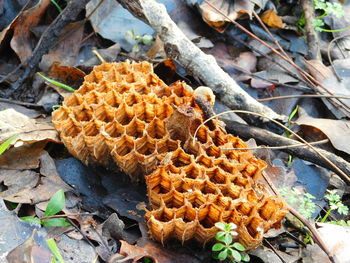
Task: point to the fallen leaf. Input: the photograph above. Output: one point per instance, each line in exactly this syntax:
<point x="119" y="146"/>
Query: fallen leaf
<point x="70" y="76"/>
<point x="271" y="19"/>
<point x="109" y="14"/>
<point x="28" y="130"/>
<point x="28" y="186"/>
<point x="67" y="49"/>
<point x="337" y="131"/>
<point x="21" y="42"/>
<point x="153" y="251"/>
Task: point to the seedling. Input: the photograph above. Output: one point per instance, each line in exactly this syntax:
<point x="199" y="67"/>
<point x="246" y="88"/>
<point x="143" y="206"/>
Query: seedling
<point x="145" y="40"/>
<point x="6" y="144"/>
<point x="57" y="6"/>
<point x="225" y="248"/>
<point x="56" y="83"/>
<point x="55" y="205"/>
<point x="303" y="201"/>
<point x="56" y="257"/>
<point x="288" y="134"/>
<point x="335" y="203"/>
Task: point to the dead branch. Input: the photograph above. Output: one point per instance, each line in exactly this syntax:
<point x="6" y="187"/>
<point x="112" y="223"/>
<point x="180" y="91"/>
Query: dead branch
<point x="47" y="40"/>
<point x="268" y="138"/>
<point x="311" y="34"/>
<point x="179" y="47"/>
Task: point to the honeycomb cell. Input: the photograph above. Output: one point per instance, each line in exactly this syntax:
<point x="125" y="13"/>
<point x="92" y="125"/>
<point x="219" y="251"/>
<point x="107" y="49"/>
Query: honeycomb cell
<point x="135" y="128"/>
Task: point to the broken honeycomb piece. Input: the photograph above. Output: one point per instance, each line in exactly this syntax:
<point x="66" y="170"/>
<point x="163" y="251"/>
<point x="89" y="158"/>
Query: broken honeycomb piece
<point x="124" y="114"/>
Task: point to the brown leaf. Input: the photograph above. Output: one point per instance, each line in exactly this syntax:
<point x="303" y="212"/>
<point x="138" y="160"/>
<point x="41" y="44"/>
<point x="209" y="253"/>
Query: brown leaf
<point x="337" y="131"/>
<point x="70" y="76"/>
<point x="271" y="19"/>
<point x="21" y="42"/>
<point x="67" y="48"/>
<point x="318" y="70"/>
<point x="153" y="251"/>
<point x="28" y="130"/>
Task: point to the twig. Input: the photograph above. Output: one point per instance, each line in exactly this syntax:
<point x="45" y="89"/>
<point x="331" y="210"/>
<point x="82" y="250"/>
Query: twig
<point x="275" y="251"/>
<point x="269" y="138"/>
<point x="313" y="231"/>
<point x="278" y="147"/>
<point x="179" y="47"/>
<point x="26" y="104"/>
<point x="320" y="153"/>
<point x="303" y="96"/>
<point x="311" y="34"/>
<point x="329" y="55"/>
<point x="308" y="78"/>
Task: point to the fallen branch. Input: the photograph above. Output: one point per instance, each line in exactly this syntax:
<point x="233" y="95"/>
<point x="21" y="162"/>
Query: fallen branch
<point x="179" y="47"/>
<point x="47" y="40"/>
<point x="268" y="138"/>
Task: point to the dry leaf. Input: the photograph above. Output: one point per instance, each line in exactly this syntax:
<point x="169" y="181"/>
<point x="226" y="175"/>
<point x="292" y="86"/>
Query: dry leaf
<point x="153" y="251"/>
<point x="21" y="42"/>
<point x="318" y="70"/>
<point x="337" y="131"/>
<point x="271" y="19"/>
<point x="28" y="130"/>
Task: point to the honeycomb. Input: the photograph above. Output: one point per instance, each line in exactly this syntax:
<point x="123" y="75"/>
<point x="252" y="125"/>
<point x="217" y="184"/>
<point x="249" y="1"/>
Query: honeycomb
<point x="124" y="115"/>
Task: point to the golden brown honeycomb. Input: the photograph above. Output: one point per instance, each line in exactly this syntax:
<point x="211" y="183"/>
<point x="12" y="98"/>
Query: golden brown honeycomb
<point x="124" y="114"/>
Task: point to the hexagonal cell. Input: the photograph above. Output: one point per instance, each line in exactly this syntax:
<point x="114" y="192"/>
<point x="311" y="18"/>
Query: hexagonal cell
<point x="173" y="199"/>
<point x="240" y="180"/>
<point x="192" y="171"/>
<point x="103" y="87"/>
<point x="231" y="190"/>
<point x="60" y="114"/>
<point x="245" y="208"/>
<point x="124" y="88"/>
<point x="124" y="145"/>
<point x="132" y="99"/>
<point x="124" y="114"/>
<point x="83" y="113"/>
<point x="203" y="134"/>
<point x="114" y="129"/>
<point x="70" y="129"/>
<point x="130" y="77"/>
<point x="93" y="77"/>
<point x="167" y="145"/>
<point x="73" y="100"/>
<point x="122" y="68"/>
<point x="142" y="67"/>
<point x="255" y="227"/>
<point x="104" y="67"/>
<point x="135" y="128"/>
<point x="217" y="176"/>
<point x="104" y="113"/>
<point x="209" y="215"/>
<point x="162" y="91"/>
<point x="156" y="129"/>
<point x="197" y="199"/>
<point x="142" y="89"/>
<point x="207" y="187"/>
<point x="163" y="110"/>
<point x="113" y="99"/>
<point x="153" y="80"/>
<point x="179" y="158"/>
<point x="145" y="145"/>
<point x="205" y="161"/>
<point x="181" y="89"/>
<point x="214" y="151"/>
<point x="92" y="97"/>
<point x="219" y="138"/>
<point x="225" y="165"/>
<point x="186" y="213"/>
<point x="145" y="111"/>
<point x="159" y="182"/>
<point x="91" y="129"/>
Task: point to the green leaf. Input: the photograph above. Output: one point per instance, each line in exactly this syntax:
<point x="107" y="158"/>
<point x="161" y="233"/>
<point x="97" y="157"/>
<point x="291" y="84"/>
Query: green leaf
<point x="245" y="257"/>
<point x="220" y="225"/>
<point x="223" y="254"/>
<point x="343" y="209"/>
<point x="54" y="249"/>
<point x="7" y="143"/>
<point x="56" y="83"/>
<point x="147" y="39"/>
<point x="31" y="219"/>
<point x="232" y="226"/>
<point x="56" y="203"/>
<point x="219" y="234"/>
<point x="228" y="239"/>
<point x="55" y="222"/>
<point x="239" y="246"/>
<point x="218" y="247"/>
<point x="236" y="255"/>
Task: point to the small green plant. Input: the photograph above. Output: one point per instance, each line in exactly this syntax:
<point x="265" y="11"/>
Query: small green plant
<point x="55" y="205"/>
<point x="327" y="8"/>
<point x="335" y="204"/>
<point x="57" y="6"/>
<point x="302" y="201"/>
<point x="225" y="247"/>
<point x="56" y="83"/>
<point x="145" y="40"/>
<point x="288" y="134"/>
<point x="56" y="257"/>
<point x="6" y="144"/>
